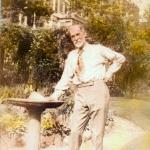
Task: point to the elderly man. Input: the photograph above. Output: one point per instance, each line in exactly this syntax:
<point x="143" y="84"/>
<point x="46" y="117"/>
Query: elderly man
<point x="85" y="67"/>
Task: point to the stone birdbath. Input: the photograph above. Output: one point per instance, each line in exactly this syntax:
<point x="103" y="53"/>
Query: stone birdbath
<point x="35" y="108"/>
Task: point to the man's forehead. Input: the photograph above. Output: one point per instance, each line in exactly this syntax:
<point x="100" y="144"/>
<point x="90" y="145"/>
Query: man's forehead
<point x="74" y="28"/>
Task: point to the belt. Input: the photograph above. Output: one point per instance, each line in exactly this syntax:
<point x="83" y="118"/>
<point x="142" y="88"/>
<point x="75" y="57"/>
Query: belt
<point x="85" y="84"/>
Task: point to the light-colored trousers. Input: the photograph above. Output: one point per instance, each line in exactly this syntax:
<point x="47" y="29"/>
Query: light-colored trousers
<point x="91" y="106"/>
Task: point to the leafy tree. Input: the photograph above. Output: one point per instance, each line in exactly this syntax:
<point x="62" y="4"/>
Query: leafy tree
<point x="32" y="56"/>
<point x="11" y="55"/>
<point x="44" y="56"/>
<point x="48" y="51"/>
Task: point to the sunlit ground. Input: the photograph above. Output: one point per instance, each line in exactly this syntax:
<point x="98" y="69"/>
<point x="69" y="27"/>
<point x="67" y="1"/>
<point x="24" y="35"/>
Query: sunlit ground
<point x="134" y="117"/>
<point x="137" y="111"/>
<point x="134" y="113"/>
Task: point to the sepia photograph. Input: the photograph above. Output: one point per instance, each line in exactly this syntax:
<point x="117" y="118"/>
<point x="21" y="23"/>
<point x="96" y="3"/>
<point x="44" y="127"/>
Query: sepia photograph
<point x="74" y="75"/>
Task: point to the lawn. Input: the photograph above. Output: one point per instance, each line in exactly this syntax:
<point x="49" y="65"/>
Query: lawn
<point x="136" y="110"/>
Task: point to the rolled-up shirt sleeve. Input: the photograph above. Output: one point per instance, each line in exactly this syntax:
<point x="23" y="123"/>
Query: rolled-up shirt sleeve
<point x="64" y="83"/>
<point x="116" y="60"/>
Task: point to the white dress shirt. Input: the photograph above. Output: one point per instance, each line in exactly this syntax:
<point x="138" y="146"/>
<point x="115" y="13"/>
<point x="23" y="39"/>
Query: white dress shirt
<point x="95" y="58"/>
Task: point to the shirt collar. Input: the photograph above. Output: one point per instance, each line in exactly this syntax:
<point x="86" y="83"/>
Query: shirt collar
<point x="86" y="45"/>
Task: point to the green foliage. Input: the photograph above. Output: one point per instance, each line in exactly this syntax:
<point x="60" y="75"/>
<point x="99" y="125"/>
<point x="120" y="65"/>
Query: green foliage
<point x="18" y="90"/>
<point x="12" y="124"/>
<point x="47" y="54"/>
<point x="107" y="25"/>
<point x="12" y="55"/>
<point x="43" y="57"/>
<point x="136" y="71"/>
<point x="31" y="56"/>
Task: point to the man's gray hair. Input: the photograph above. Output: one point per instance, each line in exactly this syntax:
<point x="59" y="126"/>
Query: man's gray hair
<point x="82" y="28"/>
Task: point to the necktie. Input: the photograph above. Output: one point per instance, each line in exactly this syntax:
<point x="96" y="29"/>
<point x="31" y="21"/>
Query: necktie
<point x="80" y="63"/>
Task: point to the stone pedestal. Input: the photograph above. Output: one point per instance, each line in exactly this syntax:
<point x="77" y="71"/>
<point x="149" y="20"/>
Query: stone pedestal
<point x="35" y="109"/>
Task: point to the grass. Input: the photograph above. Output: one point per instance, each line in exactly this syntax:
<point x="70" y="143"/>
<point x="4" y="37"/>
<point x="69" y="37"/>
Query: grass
<point x="136" y="110"/>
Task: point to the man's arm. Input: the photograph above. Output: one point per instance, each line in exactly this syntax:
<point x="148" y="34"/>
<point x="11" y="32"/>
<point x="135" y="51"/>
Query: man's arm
<point x="116" y="59"/>
<point x="64" y="83"/>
